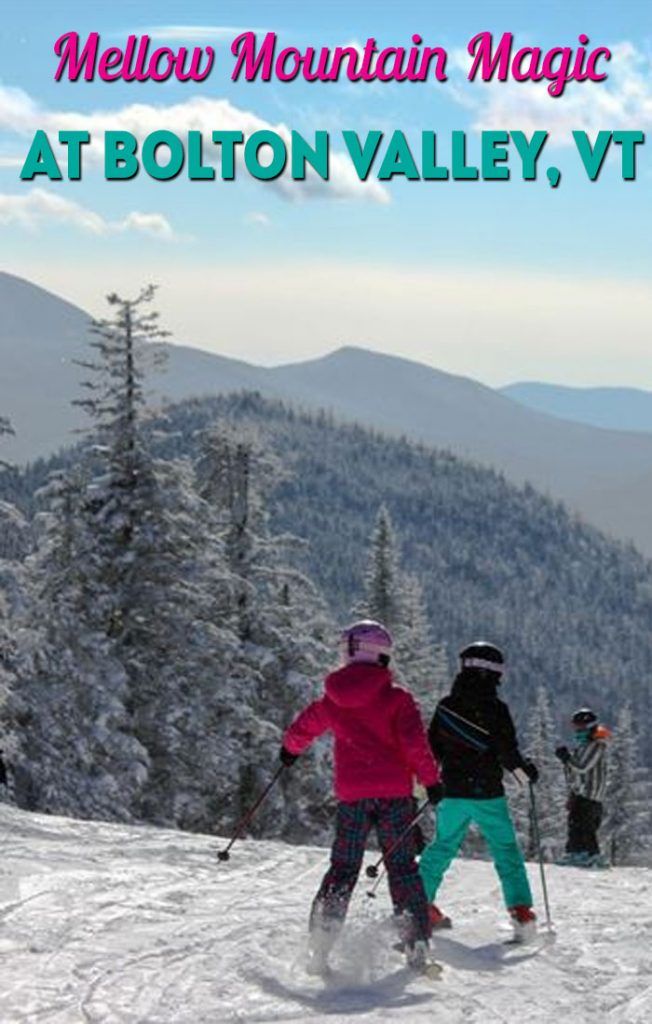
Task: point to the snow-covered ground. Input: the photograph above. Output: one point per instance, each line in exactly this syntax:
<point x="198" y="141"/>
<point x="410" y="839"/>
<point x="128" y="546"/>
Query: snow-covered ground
<point x="104" y="923"/>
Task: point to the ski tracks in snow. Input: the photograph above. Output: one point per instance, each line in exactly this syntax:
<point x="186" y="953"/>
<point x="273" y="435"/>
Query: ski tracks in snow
<point x="107" y="924"/>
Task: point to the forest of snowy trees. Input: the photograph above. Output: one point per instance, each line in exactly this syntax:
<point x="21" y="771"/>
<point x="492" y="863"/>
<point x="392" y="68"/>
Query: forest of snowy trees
<point x="171" y="591"/>
<point x="156" y="637"/>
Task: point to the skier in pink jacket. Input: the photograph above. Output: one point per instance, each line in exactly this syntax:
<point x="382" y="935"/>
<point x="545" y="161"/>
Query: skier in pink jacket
<point x="380" y="746"/>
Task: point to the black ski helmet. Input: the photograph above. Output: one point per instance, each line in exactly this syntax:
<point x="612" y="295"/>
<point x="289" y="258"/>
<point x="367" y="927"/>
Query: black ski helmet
<point x="584" y="718"/>
<point x="484" y="657"/>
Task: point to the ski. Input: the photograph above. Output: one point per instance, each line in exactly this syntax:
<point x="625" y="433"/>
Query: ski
<point x="323" y="971"/>
<point x="432" y="970"/>
<point x="432" y="967"/>
<point x="522" y="940"/>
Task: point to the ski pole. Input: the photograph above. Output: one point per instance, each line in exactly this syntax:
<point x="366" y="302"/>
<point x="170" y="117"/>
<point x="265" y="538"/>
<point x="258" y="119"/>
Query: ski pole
<point x="246" y="818"/>
<point x="537" y="840"/>
<point x="372" y="869"/>
<point x="371" y="893"/>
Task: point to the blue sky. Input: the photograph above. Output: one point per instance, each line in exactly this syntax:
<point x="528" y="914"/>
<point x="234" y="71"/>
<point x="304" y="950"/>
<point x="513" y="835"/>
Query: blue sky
<point x="500" y="281"/>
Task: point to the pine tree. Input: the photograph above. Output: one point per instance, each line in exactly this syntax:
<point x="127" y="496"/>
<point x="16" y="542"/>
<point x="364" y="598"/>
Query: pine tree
<point x="381" y="581"/>
<point x="119" y="496"/>
<point x="441" y="672"/>
<point x="550" y="792"/>
<point x="396" y="599"/>
<point x="416" y="655"/>
<point x="5" y="428"/>
<point x="144" y="558"/>
<point x="14" y="544"/>
<point x="628" y="826"/>
<point x="77" y="753"/>
<point x="127" y="653"/>
<point x="7" y="685"/>
<point x="122" y="521"/>
<point x="283" y="631"/>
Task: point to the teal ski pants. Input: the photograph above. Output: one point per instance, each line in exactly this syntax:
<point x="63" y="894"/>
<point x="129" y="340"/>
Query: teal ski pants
<point x="454" y="815"/>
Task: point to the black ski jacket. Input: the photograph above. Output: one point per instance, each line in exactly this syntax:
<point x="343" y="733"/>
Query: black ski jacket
<point x="473" y="737"/>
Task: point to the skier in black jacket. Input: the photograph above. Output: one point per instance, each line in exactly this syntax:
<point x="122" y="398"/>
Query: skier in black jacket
<point x="472" y="735"/>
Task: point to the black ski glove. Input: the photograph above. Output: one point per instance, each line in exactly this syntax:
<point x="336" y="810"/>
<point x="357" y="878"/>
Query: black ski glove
<point x="435" y="793"/>
<point x="563" y="753"/>
<point x="287" y="758"/>
<point x="531" y="770"/>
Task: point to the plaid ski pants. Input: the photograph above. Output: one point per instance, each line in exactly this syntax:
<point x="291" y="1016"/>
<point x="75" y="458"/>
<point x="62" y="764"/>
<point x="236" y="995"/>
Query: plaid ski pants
<point x="389" y="817"/>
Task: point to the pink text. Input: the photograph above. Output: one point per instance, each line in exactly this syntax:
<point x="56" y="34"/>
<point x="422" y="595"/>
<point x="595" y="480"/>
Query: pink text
<point x="559" y="65"/>
<point x="366" y="63"/>
<point x="135" y="63"/>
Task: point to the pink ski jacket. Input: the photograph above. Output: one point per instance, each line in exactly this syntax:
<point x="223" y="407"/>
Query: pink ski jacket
<point x="380" y="741"/>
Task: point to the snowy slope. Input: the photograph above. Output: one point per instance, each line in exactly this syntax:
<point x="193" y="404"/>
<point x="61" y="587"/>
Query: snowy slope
<point x="105" y="923"/>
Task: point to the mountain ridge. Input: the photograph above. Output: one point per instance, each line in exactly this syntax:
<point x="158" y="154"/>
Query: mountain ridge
<point x="592" y="470"/>
<point x="612" y="408"/>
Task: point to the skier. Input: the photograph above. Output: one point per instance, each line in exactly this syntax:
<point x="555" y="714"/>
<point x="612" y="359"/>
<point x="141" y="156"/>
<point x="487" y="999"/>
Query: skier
<point x="586" y="775"/>
<point x="473" y="736"/>
<point x="380" y="745"/>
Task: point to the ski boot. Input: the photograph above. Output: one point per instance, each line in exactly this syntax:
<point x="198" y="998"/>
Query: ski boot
<point x="317" y="964"/>
<point x="577" y="859"/>
<point x="419" y="960"/>
<point x="567" y="860"/>
<point x="438" y="919"/>
<point x="524" y="922"/>
<point x="596" y="860"/>
<point x="321" y="940"/>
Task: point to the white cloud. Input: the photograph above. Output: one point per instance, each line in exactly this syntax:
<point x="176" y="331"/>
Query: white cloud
<point x="622" y="101"/>
<point x="20" y="115"/>
<point x="154" y="224"/>
<point x="38" y="206"/>
<point x="257" y="218"/>
<point x="18" y="111"/>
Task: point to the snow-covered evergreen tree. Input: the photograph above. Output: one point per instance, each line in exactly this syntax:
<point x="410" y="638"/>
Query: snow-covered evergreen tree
<point x="382" y="578"/>
<point x="118" y="497"/>
<point x="420" y="664"/>
<point x="15" y="534"/>
<point x="150" y="573"/>
<point x="119" y="674"/>
<point x="441" y="674"/>
<point x="77" y="754"/>
<point x="550" y="789"/>
<point x="283" y="629"/>
<point x="5" y="428"/>
<point x="168" y="636"/>
<point x="14" y="544"/>
<point x="627" y="830"/>
<point x="396" y="599"/>
<point x="7" y="682"/>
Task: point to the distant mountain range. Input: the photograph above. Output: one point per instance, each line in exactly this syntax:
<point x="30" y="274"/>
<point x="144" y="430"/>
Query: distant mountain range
<point x="606" y="475"/>
<point x="610" y="408"/>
